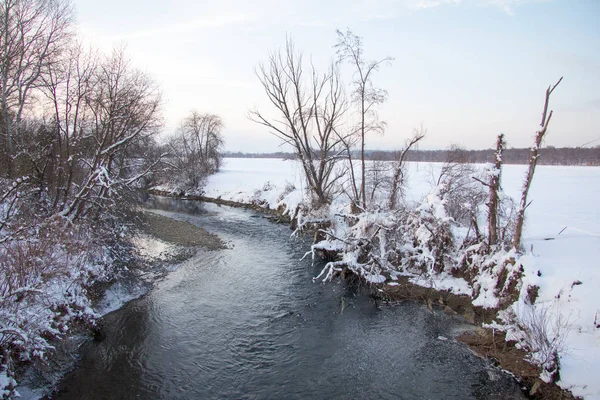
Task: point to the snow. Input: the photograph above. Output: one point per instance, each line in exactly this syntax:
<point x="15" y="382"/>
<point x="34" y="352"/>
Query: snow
<point x="150" y="247"/>
<point x="443" y="281"/>
<point x="272" y="181"/>
<point x="435" y="205"/>
<point x="118" y="294"/>
<point x="561" y="241"/>
<point x="5" y="382"/>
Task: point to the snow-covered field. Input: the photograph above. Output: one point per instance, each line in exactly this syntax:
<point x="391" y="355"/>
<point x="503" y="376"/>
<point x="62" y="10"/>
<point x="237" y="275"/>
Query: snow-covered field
<point x="562" y="238"/>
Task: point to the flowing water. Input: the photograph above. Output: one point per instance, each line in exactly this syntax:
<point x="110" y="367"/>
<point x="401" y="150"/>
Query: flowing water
<point x="248" y="323"/>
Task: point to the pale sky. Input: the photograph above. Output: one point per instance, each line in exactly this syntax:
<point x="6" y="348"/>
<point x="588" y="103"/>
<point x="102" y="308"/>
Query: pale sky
<point x="465" y="69"/>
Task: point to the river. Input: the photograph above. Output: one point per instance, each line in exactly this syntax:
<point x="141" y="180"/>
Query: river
<point x="247" y="322"/>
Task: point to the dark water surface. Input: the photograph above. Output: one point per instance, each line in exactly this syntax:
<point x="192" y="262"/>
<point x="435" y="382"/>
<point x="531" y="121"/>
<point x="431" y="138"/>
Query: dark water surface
<point x="249" y="323"/>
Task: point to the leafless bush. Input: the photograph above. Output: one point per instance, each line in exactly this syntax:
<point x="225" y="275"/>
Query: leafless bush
<point x="44" y="276"/>
<point x="378" y="181"/>
<point x="507" y="211"/>
<point x="545" y="329"/>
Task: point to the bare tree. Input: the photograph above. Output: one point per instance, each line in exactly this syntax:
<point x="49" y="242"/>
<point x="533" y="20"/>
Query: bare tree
<point x="211" y="140"/>
<point x="196" y="147"/>
<point x="32" y="35"/>
<point x="539" y="136"/>
<point x="494" y="187"/>
<point x="367" y="97"/>
<point x="123" y="110"/>
<point x="399" y="171"/>
<point x="311" y="113"/>
<point x="68" y="87"/>
<point x="497" y="208"/>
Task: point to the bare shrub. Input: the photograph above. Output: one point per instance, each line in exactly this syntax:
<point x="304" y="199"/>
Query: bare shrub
<point x="378" y="181"/>
<point x="10" y="195"/>
<point x="44" y="277"/>
<point x="506" y="220"/>
<point x="544" y="330"/>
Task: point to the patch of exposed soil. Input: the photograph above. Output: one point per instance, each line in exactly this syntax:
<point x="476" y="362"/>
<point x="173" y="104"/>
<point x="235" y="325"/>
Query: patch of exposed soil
<point x="180" y="233"/>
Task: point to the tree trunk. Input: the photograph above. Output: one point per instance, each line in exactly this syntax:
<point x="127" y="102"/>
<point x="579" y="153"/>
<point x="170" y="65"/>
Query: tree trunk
<point x="546" y="117"/>
<point x="494" y="185"/>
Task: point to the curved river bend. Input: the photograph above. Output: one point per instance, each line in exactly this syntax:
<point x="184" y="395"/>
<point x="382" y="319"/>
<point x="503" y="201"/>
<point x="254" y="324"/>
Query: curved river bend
<point x="248" y="323"/>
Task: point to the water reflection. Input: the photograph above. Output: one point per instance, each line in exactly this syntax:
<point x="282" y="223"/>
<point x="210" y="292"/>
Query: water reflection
<point x="173" y="205"/>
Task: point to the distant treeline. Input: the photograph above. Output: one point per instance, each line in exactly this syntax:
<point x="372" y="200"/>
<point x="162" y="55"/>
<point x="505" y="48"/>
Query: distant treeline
<point x="548" y="155"/>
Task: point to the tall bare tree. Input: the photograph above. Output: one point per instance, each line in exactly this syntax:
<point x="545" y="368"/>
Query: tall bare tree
<point x="535" y="150"/>
<point x="123" y="110"/>
<point x="310" y="111"/>
<point x="33" y="33"/>
<point x="68" y="86"/>
<point x="367" y="97"/>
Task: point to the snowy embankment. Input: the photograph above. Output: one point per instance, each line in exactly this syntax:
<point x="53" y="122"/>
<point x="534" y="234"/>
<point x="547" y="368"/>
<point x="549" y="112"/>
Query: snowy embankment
<point x="562" y="242"/>
<point x="268" y="181"/>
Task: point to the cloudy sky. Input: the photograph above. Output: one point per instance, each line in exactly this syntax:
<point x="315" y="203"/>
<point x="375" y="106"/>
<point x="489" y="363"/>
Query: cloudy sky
<point x="464" y="69"/>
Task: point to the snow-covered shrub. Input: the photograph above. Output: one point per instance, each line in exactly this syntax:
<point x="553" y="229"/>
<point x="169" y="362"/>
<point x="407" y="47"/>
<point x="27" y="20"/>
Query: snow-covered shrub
<point x="376" y="243"/>
<point x="7" y="385"/>
<point x="43" y="287"/>
<point x="47" y="264"/>
<point x="360" y="241"/>
<point x="427" y="237"/>
<point x="494" y="277"/>
<point x="11" y="195"/>
<point x="289" y="188"/>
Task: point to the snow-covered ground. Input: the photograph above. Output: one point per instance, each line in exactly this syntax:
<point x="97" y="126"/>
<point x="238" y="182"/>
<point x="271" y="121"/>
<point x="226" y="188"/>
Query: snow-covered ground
<point x="562" y="238"/>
